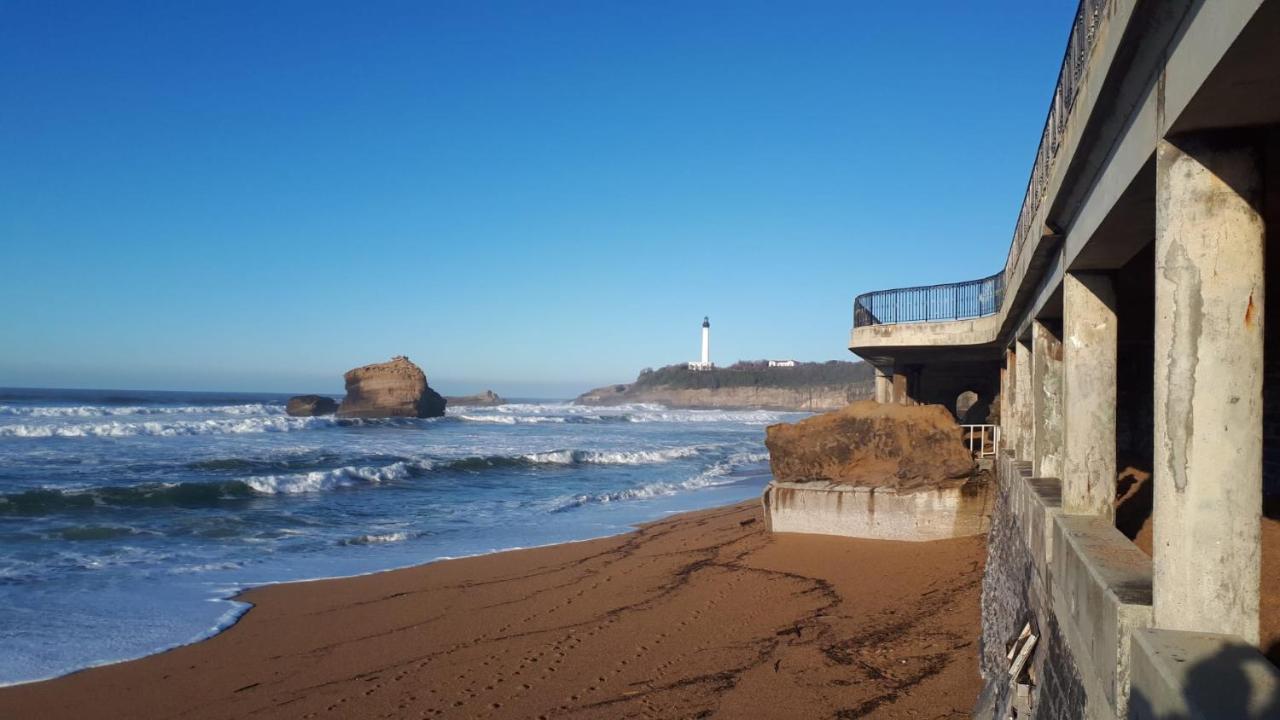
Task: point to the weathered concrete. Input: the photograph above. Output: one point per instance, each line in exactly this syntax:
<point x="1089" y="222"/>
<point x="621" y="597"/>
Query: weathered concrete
<point x="901" y="387"/>
<point x="884" y="385"/>
<point x="870" y="340"/>
<point x="1178" y="674"/>
<point x="1085" y="587"/>
<point x="1009" y="426"/>
<point x="1128" y="157"/>
<point x="1102" y="592"/>
<point x="1017" y="588"/>
<point x="1046" y="401"/>
<point x="1037" y="501"/>
<point x="1023" y="377"/>
<point x="878" y="513"/>
<point x="1089" y="394"/>
<point x="1210" y="246"/>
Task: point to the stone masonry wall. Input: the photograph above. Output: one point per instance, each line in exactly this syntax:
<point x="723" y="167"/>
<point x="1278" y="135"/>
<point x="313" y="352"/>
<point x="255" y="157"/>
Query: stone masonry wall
<point x="1013" y="593"/>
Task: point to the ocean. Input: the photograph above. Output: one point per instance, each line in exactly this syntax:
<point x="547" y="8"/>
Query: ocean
<point x="128" y="519"/>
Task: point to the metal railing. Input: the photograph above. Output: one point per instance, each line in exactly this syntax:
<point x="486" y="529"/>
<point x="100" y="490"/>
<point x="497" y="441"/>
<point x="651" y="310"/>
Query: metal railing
<point x="930" y="303"/>
<point x="978" y="298"/>
<point x="1084" y="33"/>
<point x="983" y="440"/>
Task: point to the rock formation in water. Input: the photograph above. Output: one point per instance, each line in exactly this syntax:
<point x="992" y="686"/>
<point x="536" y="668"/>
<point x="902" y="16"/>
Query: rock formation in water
<point x="484" y="399"/>
<point x="311" y="405"/>
<point x="872" y="444"/>
<point x="392" y="389"/>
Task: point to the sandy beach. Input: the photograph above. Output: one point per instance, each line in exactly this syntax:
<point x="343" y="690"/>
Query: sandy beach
<point x="699" y="615"/>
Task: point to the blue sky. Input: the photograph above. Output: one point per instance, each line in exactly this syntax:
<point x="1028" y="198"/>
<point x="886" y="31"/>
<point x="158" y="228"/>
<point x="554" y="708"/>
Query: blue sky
<point x="536" y="197"/>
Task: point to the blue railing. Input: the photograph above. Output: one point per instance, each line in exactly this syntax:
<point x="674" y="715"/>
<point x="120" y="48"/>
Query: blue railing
<point x="930" y="303"/>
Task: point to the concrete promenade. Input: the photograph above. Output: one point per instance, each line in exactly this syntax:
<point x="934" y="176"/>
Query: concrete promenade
<point x="1127" y="329"/>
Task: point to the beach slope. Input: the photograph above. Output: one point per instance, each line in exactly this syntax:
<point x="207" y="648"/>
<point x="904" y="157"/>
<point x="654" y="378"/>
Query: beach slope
<point x="699" y="615"/>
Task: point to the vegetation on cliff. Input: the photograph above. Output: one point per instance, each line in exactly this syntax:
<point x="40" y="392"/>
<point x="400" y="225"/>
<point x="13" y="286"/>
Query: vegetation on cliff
<point x="757" y="373"/>
<point x="812" y="387"/>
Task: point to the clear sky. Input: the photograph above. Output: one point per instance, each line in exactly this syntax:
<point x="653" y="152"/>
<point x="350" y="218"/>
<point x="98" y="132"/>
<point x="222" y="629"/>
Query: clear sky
<point x="536" y="197"/>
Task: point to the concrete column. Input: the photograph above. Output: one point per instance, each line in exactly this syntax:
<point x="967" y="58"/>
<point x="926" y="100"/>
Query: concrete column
<point x="1046" y="401"/>
<point x="1026" y="429"/>
<point x="1009" y="401"/>
<point x="1208" y="384"/>
<point x="1002" y="398"/>
<point x="1089" y="394"/>
<point x="906" y="381"/>
<point x="884" y="385"/>
<point x="900" y="392"/>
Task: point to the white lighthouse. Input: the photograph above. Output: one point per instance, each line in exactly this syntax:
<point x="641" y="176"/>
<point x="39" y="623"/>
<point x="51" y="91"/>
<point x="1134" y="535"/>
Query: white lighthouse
<point x="705" y="363"/>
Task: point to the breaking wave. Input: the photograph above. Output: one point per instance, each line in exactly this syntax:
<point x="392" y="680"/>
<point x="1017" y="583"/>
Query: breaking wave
<point x="379" y="539"/>
<point x="204" y="494"/>
<point x="216" y="492"/>
<point x="85" y="411"/>
<point x="577" y="457"/>
<point x="319" y="480"/>
<point x="718" y="474"/>
<point x="224" y="426"/>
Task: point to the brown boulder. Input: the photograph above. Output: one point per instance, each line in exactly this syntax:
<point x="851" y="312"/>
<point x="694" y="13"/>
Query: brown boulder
<point x="872" y="444"/>
<point x="311" y="405"/>
<point x="392" y="389"/>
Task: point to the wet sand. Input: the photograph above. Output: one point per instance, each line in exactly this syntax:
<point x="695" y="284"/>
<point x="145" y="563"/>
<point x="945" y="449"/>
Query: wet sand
<point x="699" y="615"/>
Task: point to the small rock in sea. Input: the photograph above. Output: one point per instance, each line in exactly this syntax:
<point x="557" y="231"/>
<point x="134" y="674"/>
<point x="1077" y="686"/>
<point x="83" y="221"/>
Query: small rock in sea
<point x="311" y="405"/>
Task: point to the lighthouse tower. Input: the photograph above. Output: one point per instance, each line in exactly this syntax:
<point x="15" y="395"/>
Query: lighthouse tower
<point x="706" y="341"/>
<point x="705" y="362"/>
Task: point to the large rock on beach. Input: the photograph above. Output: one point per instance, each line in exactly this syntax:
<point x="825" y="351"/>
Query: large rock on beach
<point x="311" y="405"/>
<point x="871" y="444"/>
<point x="391" y="389"/>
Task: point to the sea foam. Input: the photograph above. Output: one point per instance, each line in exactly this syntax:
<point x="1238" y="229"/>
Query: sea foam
<point x="115" y="428"/>
<point x="85" y="411"/>
<point x="320" y="480"/>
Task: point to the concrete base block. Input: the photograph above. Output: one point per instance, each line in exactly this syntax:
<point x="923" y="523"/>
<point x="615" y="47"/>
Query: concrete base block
<point x="825" y="508"/>
<point x="1102" y="593"/>
<point x="1195" y="675"/>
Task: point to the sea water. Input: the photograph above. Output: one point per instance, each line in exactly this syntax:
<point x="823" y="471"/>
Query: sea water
<point x="129" y="519"/>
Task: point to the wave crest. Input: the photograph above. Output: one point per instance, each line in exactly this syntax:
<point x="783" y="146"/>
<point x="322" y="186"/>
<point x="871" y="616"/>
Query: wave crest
<point x="717" y="474"/>
<point x="319" y="480"/>
<point x="114" y="410"/>
<point x="115" y="428"/>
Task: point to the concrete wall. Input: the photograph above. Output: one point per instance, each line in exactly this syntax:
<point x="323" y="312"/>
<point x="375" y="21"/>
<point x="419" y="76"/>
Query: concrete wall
<point x="1193" y="675"/>
<point x="1016" y="589"/>
<point x="878" y="513"/>
<point x="1084" y="587"/>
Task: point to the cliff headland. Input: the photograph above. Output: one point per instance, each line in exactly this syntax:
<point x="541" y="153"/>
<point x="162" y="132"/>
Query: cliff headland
<point x="814" y="387"/>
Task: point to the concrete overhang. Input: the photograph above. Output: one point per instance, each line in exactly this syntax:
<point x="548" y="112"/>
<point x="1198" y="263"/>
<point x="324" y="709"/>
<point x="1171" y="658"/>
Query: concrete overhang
<point x="960" y="340"/>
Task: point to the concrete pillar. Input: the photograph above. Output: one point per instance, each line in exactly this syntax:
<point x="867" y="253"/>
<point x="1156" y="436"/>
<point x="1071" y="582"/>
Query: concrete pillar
<point x="1046" y="401"/>
<point x="900" y="391"/>
<point x="1208" y="384"/>
<point x="884" y="385"/>
<point x="1026" y="429"/>
<point x="1009" y="401"/>
<point x="1002" y="398"/>
<point x="906" y="383"/>
<point x="1089" y="394"/>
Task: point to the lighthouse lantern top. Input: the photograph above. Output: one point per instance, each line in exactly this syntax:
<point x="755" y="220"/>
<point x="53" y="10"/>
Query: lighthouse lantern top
<point x="706" y="322"/>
